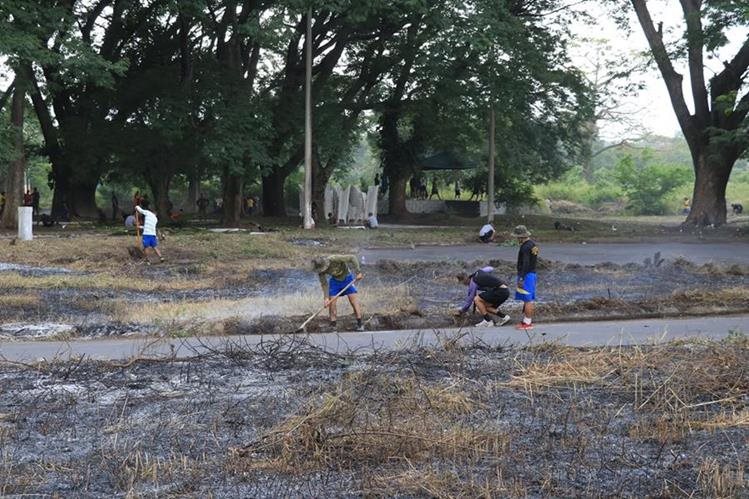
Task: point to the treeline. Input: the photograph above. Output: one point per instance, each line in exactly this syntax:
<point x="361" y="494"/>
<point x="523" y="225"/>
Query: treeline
<point x="154" y="89"/>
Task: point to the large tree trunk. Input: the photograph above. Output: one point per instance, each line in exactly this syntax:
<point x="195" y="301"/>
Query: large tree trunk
<point x="709" y="195"/>
<point x="273" y="194"/>
<point x="60" y="193"/>
<point x="81" y="198"/>
<point x="232" y="195"/>
<point x="320" y="177"/>
<point x="14" y="179"/>
<point x="397" y="198"/>
<point x="193" y="192"/>
<point x="160" y="191"/>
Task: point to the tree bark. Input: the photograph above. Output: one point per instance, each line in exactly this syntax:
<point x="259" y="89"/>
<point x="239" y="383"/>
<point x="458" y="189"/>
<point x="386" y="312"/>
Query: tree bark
<point x="709" y="195"/>
<point x="397" y="199"/>
<point x="232" y="197"/>
<point x="273" y="194"/>
<point x="159" y="185"/>
<point x="193" y="192"/>
<point x="81" y="197"/>
<point x="14" y="179"/>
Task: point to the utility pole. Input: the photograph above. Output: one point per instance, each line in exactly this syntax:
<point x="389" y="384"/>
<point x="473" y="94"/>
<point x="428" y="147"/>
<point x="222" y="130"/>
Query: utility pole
<point x="308" y="222"/>
<point x="490" y="187"/>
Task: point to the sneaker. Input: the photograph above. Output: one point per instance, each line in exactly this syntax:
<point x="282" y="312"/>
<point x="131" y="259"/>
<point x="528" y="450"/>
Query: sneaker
<point x="524" y="327"/>
<point x="501" y="321"/>
<point x="360" y="327"/>
<point x="161" y="259"/>
<point x="485" y="323"/>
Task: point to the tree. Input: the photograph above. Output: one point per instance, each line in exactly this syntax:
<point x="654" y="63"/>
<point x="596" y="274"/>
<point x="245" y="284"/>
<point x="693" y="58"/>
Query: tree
<point x="716" y="131"/>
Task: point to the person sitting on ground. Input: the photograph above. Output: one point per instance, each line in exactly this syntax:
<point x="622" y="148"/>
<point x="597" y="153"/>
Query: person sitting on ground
<point x="339" y="268"/>
<point x="149" y="230"/>
<point x="737" y="208"/>
<point x="371" y="222"/>
<point x="487" y="233"/>
<point x="492" y="293"/>
<point x="526" y="290"/>
<point x="331" y="219"/>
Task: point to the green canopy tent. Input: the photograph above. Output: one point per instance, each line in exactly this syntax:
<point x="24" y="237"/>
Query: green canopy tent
<point x="445" y="160"/>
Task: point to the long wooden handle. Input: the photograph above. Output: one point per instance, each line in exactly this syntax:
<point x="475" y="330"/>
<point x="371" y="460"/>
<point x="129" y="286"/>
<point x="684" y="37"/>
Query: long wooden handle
<point x="326" y="306"/>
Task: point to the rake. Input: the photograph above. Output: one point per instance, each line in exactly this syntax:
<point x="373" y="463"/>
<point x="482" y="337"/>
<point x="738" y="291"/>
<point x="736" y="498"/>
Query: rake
<point x="332" y="300"/>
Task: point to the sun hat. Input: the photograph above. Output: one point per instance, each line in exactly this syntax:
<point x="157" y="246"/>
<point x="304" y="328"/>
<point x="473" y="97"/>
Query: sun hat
<point x="521" y="231"/>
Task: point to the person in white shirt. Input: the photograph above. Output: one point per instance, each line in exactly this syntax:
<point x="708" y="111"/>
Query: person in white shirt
<point x="372" y="221"/>
<point x="487" y="233"/>
<point x="149" y="230"/>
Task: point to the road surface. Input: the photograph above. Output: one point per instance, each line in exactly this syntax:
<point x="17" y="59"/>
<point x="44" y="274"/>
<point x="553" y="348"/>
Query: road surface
<point x="586" y="254"/>
<point x="643" y="331"/>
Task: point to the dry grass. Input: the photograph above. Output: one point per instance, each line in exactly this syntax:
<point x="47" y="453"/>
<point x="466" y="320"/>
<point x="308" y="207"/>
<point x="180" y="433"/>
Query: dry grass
<point x="375" y="420"/>
<point x="22" y="300"/>
<point x="375" y="300"/>
<point x="718" y="480"/>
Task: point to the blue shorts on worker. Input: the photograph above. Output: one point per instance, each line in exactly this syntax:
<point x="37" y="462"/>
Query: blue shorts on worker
<point x="529" y="285"/>
<point x="335" y="286"/>
<point x="150" y="242"/>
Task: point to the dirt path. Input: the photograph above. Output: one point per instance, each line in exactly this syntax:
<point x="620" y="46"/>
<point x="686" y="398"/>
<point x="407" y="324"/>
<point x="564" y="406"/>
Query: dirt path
<point x="573" y="333"/>
<point x="586" y="254"/>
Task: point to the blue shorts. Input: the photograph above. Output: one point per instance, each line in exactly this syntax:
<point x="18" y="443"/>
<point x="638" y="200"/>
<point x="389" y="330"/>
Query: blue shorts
<point x="529" y="284"/>
<point x="150" y="242"/>
<point x="335" y="286"/>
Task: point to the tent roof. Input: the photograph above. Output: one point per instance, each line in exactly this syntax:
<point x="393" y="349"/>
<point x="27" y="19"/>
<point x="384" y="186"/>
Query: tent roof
<point x="445" y="160"/>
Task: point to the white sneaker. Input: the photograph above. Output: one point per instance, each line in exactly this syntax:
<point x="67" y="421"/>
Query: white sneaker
<point x="485" y="323"/>
<point x="501" y="321"/>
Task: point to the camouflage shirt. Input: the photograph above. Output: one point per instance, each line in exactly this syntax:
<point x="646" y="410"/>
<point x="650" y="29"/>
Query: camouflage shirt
<point x="339" y="266"/>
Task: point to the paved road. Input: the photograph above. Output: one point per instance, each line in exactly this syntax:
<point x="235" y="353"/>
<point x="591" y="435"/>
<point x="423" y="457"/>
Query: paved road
<point x="576" y="334"/>
<point x="587" y="254"/>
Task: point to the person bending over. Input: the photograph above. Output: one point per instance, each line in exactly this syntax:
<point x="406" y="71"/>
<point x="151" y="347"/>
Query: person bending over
<point x="488" y="292"/>
<point x="149" y="230"/>
<point x="335" y="273"/>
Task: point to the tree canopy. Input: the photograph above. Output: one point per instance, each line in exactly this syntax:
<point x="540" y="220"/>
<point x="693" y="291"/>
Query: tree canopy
<point x="158" y="90"/>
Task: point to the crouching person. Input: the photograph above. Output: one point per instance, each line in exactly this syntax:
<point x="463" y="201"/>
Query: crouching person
<point x="150" y="241"/>
<point x="337" y="275"/>
<point x="488" y="292"/>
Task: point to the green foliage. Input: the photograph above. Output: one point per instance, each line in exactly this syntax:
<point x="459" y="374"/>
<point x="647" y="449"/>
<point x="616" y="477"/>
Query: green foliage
<point x="647" y="187"/>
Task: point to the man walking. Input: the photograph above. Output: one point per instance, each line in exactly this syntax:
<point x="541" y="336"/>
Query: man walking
<point x="339" y="268"/>
<point x="487" y="292"/>
<point x="527" y="259"/>
<point x="149" y="230"/>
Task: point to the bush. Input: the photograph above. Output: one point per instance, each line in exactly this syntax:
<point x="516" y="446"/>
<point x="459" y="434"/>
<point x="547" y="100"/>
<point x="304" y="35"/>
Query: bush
<point x="648" y="187"/>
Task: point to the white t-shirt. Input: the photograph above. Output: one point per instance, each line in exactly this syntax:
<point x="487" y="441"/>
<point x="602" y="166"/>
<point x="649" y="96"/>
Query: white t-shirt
<point x="485" y="230"/>
<point x="373" y="222"/>
<point x="149" y="224"/>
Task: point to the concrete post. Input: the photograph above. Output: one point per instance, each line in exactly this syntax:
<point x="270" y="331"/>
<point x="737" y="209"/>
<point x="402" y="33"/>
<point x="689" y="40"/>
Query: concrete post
<point x="25" y="223"/>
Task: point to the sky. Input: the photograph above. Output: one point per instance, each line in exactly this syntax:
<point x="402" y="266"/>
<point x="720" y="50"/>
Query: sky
<point x="652" y="107"/>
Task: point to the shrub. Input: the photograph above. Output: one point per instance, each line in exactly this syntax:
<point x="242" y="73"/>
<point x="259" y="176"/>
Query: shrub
<point x="647" y="187"/>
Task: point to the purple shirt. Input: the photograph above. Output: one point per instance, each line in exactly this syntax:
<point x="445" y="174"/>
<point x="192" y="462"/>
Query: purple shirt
<point x="472" y="289"/>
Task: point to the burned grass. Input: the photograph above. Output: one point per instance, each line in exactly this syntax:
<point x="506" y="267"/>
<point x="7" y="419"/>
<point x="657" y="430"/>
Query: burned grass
<point x="286" y="418"/>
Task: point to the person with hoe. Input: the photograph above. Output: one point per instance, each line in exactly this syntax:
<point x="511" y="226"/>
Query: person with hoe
<point x="527" y="259"/>
<point x="343" y="272"/>
<point x="149" y="230"/>
<point x="487" y="292"/>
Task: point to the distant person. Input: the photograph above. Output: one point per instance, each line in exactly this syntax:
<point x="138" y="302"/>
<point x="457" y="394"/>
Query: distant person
<point x="35" y="198"/>
<point x="28" y="198"/>
<point x="371" y="221"/>
<point x="343" y="270"/>
<point x="737" y="208"/>
<point x="149" y="230"/>
<point x="130" y="221"/>
<point x="457" y="190"/>
<point x="487" y="233"/>
<point x="488" y="292"/>
<point x="435" y="190"/>
<point x="202" y="203"/>
<point x="527" y="260"/>
<point x="331" y="219"/>
<point x="685" y="206"/>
